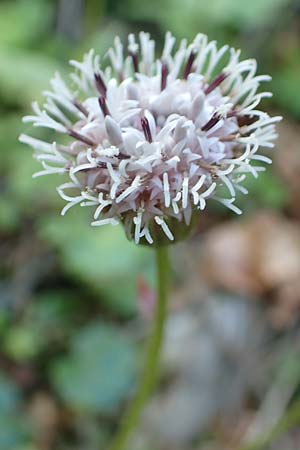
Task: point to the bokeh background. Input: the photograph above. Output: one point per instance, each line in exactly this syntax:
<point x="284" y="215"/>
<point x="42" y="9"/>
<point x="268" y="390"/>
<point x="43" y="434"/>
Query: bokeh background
<point x="74" y="301"/>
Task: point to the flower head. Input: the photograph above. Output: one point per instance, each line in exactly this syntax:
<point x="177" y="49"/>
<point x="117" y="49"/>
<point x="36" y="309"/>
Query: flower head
<point x="150" y="141"/>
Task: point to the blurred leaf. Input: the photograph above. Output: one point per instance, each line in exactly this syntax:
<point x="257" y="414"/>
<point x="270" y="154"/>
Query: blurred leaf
<point x="22" y="194"/>
<point x="240" y="14"/>
<point x="22" y="342"/>
<point x="102" y="40"/>
<point x="12" y="430"/>
<point x="175" y="14"/>
<point x="94" y="12"/>
<point x="4" y="318"/>
<point x="31" y="194"/>
<point x="22" y="22"/>
<point x="9" y="214"/>
<point x="100" y="370"/>
<point x="23" y="75"/>
<point x="12" y="433"/>
<point x="10" y="128"/>
<point x="265" y="191"/>
<point x="286" y="87"/>
<point x="9" y="396"/>
<point x="52" y="309"/>
<point x="53" y="314"/>
<point x="101" y="257"/>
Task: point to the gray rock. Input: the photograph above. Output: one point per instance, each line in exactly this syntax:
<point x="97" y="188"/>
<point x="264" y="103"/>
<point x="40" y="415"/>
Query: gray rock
<point x="211" y="350"/>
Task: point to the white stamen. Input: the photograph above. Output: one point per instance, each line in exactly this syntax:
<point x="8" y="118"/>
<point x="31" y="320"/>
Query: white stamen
<point x="138" y="223"/>
<point x="147" y="234"/>
<point x="205" y="194"/>
<point x="196" y="188"/>
<point x="135" y="184"/>
<point x="166" y="190"/>
<point x="98" y="223"/>
<point x="175" y="201"/>
<point x="164" y="227"/>
<point x="229" y="204"/>
<point x="185" y="192"/>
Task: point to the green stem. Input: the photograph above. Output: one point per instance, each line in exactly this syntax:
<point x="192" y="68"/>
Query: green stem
<point x="150" y="371"/>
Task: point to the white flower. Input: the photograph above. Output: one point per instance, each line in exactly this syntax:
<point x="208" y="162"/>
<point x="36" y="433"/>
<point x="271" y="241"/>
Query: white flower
<point x="152" y="140"/>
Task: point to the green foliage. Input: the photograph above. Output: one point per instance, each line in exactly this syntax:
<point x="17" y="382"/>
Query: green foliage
<point x="23" y="75"/>
<point x="9" y="215"/>
<point x="99" y="372"/>
<point x="32" y="194"/>
<point x="23" y="22"/>
<point x="175" y="14"/>
<point x="12" y="429"/>
<point x="9" y="396"/>
<point x="240" y="14"/>
<point x="266" y="191"/>
<point x="53" y="312"/>
<point x="286" y="87"/>
<point x="22" y="342"/>
<point x="100" y="257"/>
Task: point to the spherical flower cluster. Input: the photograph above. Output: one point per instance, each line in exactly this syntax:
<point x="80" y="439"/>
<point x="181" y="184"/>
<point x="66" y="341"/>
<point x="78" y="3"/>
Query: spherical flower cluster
<point x="149" y="140"/>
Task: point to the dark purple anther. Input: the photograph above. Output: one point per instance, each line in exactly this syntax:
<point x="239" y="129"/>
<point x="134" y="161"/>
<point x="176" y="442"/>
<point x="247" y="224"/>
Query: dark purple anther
<point x="81" y="108"/>
<point x="232" y="113"/>
<point x="211" y="123"/>
<point x="135" y="61"/>
<point x="164" y="75"/>
<point x="146" y="129"/>
<point x="189" y="64"/>
<point x="103" y="106"/>
<point x="215" y="83"/>
<point x="81" y="137"/>
<point x="100" y="84"/>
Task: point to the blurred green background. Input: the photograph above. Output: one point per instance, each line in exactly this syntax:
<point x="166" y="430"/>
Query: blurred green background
<point x="71" y="297"/>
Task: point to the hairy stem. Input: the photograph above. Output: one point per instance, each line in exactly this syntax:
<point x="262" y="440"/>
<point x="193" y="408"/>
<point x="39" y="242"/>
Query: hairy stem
<point x="150" y="371"/>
